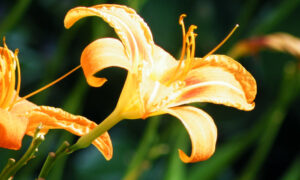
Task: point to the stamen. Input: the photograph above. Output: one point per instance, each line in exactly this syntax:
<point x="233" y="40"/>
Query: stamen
<point x="188" y="48"/>
<point x="50" y="84"/>
<point x="2" y="66"/>
<point x="8" y="76"/>
<point x="222" y="42"/>
<point x="11" y="85"/>
<point x="181" y="22"/>
<point x="18" y="80"/>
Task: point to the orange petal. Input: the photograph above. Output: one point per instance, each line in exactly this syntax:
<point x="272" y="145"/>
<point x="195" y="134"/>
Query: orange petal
<point x="101" y="54"/>
<point x="22" y="107"/>
<point x="130" y="27"/>
<point x="55" y="118"/>
<point x="221" y="80"/>
<point x="12" y="130"/>
<point x="202" y="131"/>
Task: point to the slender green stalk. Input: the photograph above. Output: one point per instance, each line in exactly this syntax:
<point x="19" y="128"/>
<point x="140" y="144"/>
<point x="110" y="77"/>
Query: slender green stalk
<point x="37" y="140"/>
<point x="146" y="142"/>
<point x="86" y="140"/>
<point x="9" y="164"/>
<point x="51" y="159"/>
<point x="14" y="16"/>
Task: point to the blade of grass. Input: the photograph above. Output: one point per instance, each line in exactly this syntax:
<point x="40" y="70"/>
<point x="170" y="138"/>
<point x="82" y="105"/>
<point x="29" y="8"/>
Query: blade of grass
<point x="290" y="88"/>
<point x="279" y="14"/>
<point x="176" y="169"/>
<point x="293" y="172"/>
<point x="146" y="142"/>
<point x="14" y="16"/>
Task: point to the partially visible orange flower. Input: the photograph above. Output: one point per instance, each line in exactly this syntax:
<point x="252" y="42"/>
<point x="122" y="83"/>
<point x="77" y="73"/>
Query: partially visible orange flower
<point x="19" y="116"/>
<point x="278" y="41"/>
<point x="157" y="83"/>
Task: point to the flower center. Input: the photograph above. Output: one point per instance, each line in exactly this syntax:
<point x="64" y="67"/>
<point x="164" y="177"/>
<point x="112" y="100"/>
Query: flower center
<point x="9" y="66"/>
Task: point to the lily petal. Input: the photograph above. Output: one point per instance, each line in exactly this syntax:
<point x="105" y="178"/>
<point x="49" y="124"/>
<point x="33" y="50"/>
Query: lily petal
<point x="22" y="107"/>
<point x="219" y="79"/>
<point x="130" y="27"/>
<point x="55" y="118"/>
<point x="12" y="130"/>
<point x="202" y="131"/>
<point x="164" y="64"/>
<point x="101" y="54"/>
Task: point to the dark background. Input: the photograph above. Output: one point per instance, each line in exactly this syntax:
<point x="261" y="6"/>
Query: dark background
<point x="261" y="144"/>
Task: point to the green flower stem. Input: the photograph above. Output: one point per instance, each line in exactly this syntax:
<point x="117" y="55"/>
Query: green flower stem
<point x="37" y="140"/>
<point x="51" y="159"/>
<point x="86" y="140"/>
<point x="9" y="164"/>
<point x="14" y="15"/>
<point x="146" y="142"/>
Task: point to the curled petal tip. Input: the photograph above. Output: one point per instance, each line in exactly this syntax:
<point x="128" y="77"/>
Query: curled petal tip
<point x="96" y="82"/>
<point x="186" y="159"/>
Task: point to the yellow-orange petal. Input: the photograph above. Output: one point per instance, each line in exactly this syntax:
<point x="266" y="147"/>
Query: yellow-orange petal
<point x="219" y="79"/>
<point x="22" y="107"/>
<point x="55" y="118"/>
<point x="130" y="27"/>
<point x="100" y="54"/>
<point x="164" y="64"/>
<point x="202" y="131"/>
<point x="12" y="130"/>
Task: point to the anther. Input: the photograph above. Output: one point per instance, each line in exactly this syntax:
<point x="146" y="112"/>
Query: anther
<point x="188" y="49"/>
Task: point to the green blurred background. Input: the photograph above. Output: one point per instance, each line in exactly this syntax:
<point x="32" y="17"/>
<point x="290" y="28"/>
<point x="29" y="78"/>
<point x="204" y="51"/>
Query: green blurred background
<point x="261" y="144"/>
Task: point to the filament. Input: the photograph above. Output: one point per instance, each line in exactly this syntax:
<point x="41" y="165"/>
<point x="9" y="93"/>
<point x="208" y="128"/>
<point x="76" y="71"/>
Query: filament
<point x="50" y="84"/>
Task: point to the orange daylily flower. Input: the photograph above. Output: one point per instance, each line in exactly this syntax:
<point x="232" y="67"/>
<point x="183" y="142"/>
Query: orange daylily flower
<point x="157" y="83"/>
<point x="277" y="41"/>
<point x="18" y="116"/>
